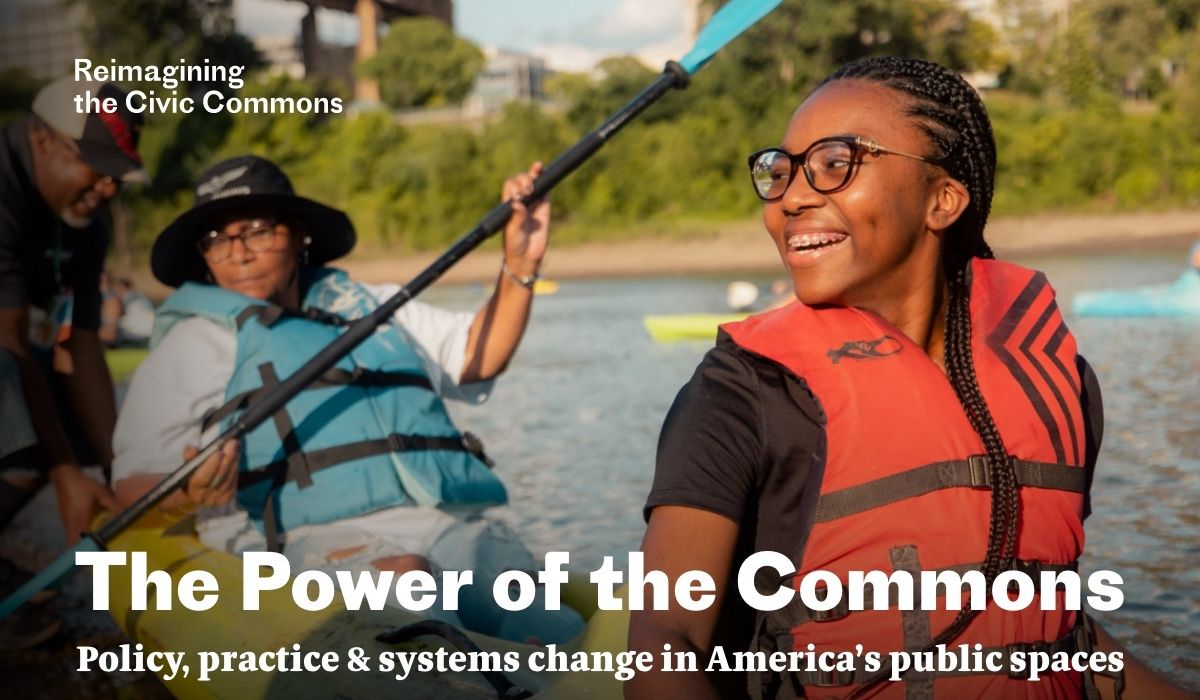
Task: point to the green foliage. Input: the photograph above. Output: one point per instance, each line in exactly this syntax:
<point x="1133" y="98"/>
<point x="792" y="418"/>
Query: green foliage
<point x="166" y="32"/>
<point x="1108" y="50"/>
<point x="1069" y="144"/>
<point x="624" y="77"/>
<point x="162" y="32"/>
<point x="422" y="63"/>
<point x="1186" y="102"/>
<point x="17" y="89"/>
<point x="1070" y="158"/>
<point x="1139" y="186"/>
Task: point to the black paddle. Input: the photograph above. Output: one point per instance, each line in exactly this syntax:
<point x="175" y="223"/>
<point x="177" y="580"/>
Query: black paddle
<point x="730" y="21"/>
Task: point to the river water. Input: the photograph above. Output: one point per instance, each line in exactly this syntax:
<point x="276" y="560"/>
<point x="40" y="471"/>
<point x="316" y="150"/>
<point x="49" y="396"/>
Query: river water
<point x="574" y="423"/>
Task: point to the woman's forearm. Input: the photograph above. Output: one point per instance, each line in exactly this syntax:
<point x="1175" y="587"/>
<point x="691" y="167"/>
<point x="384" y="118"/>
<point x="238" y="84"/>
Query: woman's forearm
<point x="497" y="330"/>
<point x="130" y="489"/>
<point x="90" y="388"/>
<point x="657" y="683"/>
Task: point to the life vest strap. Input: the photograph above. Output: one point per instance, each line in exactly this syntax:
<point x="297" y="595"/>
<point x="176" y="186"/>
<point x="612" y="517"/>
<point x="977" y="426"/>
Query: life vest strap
<point x="280" y="472"/>
<point x="298" y="469"/>
<point x="360" y="376"/>
<point x="333" y="456"/>
<point x="828" y="679"/>
<point x="269" y="314"/>
<point x="797" y="613"/>
<point x="973" y="472"/>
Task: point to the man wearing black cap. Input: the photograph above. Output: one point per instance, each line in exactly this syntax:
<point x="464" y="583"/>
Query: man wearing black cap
<point x="59" y="168"/>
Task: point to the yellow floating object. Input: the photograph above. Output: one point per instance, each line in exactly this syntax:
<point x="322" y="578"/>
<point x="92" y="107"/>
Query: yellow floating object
<point x="541" y="287"/>
<point x="668" y="329"/>
<point x="123" y="361"/>
<point x="279" y="623"/>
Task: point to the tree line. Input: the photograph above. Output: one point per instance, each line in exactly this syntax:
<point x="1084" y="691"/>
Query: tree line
<point x="1095" y="109"/>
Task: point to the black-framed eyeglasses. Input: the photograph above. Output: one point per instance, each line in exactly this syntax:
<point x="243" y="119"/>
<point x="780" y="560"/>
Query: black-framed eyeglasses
<point x="828" y="164"/>
<point x="258" y="235"/>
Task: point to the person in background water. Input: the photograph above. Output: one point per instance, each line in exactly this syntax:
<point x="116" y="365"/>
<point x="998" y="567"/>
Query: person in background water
<point x="364" y="470"/>
<point x="59" y="169"/>
<point x="919" y="406"/>
<point x="126" y="315"/>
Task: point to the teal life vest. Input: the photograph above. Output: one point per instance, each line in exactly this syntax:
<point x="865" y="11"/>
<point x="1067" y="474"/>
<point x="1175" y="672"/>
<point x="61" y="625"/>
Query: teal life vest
<point x="369" y="434"/>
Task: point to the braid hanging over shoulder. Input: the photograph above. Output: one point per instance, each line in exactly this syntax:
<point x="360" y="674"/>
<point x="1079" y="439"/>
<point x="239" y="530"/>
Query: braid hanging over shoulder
<point x="953" y="116"/>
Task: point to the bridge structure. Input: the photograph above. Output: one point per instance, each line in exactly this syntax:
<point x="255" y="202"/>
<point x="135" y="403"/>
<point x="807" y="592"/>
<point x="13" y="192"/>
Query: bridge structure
<point x="370" y="14"/>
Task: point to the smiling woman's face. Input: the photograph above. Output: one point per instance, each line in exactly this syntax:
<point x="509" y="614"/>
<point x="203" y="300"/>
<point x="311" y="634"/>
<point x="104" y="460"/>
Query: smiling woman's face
<point x="266" y="268"/>
<point x="868" y="242"/>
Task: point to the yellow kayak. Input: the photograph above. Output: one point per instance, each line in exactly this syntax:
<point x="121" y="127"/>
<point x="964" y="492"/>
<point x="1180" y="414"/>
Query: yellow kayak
<point x="280" y="624"/>
<point x="123" y="361"/>
<point x="541" y="287"/>
<point x="675" y="327"/>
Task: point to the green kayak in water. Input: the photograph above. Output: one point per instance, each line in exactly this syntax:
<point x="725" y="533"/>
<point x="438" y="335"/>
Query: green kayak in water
<point x="676" y="327"/>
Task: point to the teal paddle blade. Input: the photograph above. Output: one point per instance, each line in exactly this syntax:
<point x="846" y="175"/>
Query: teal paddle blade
<point x="49" y="576"/>
<point x="731" y="20"/>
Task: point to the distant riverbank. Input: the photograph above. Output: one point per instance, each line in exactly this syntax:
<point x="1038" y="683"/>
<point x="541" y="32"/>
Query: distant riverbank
<point x="742" y="246"/>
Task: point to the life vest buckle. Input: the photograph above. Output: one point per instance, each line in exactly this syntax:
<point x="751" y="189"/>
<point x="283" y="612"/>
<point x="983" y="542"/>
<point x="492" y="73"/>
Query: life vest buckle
<point x="837" y="612"/>
<point x="980" y="471"/>
<point x="827" y="679"/>
<point x="474" y="446"/>
<point x="1024" y="648"/>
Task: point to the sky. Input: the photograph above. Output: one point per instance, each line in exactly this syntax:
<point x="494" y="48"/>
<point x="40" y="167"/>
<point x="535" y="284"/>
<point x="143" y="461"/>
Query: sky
<point x="569" y="34"/>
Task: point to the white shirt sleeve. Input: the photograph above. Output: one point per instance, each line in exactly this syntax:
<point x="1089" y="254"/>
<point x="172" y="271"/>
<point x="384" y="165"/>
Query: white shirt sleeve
<point x="440" y="338"/>
<point x="178" y="383"/>
<point x="186" y="375"/>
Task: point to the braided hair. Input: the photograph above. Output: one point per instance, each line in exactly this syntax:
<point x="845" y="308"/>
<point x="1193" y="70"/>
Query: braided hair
<point x="952" y="115"/>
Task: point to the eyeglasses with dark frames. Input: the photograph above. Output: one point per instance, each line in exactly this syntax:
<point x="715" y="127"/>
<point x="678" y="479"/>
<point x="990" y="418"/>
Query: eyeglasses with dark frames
<point x="828" y="165"/>
<point x="259" y="236"/>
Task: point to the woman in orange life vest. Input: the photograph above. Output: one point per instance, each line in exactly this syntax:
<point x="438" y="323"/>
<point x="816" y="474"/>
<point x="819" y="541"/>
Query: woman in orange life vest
<point x="870" y="425"/>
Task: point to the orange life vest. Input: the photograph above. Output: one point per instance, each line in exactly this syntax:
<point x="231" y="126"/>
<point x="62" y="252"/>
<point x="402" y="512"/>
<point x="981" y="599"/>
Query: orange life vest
<point x="906" y="484"/>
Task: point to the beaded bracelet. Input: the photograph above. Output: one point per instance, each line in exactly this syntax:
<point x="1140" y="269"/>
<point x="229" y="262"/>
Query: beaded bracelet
<point x="526" y="282"/>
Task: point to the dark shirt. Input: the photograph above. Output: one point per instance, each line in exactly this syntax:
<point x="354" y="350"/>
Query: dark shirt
<point x="744" y="440"/>
<point x="32" y="238"/>
<point x="744" y="433"/>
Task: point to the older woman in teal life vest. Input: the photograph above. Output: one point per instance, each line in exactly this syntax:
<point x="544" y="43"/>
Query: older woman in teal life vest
<point x="920" y="407"/>
<point x="364" y="470"/>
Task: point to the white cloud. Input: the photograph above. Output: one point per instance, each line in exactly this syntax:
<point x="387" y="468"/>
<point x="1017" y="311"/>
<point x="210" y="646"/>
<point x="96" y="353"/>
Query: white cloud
<point x="255" y="17"/>
<point x="574" y="58"/>
<point x="276" y="17"/>
<point x="656" y="55"/>
<point x="638" y="19"/>
<point x="652" y="30"/>
<point x="655" y="32"/>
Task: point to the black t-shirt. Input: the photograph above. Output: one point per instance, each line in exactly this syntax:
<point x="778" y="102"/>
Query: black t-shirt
<point x="744" y="439"/>
<point x="34" y="242"/>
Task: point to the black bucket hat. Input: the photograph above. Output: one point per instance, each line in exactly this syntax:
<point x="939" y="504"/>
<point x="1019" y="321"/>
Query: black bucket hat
<point x="245" y="183"/>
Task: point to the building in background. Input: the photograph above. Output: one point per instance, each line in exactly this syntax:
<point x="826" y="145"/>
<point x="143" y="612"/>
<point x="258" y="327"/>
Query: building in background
<point x="43" y="39"/>
<point x="1008" y="15"/>
<point x="507" y="76"/>
<point x="324" y="61"/>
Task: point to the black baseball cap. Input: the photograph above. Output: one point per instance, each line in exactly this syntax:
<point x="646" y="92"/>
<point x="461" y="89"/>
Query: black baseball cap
<point x="107" y="140"/>
<point x="245" y="183"/>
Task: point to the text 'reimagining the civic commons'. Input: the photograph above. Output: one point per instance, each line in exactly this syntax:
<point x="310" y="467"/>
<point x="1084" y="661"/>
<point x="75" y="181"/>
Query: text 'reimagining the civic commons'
<point x="169" y="97"/>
